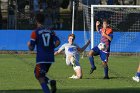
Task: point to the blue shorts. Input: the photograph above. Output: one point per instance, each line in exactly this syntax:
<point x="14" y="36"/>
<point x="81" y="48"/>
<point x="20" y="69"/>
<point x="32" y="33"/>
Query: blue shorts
<point x="41" y="69"/>
<point x="103" y="55"/>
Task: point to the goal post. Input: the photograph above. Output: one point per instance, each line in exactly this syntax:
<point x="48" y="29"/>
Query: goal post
<point x="124" y="19"/>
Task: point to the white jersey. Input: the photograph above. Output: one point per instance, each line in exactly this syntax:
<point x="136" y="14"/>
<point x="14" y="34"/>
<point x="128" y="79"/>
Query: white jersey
<point x="70" y="49"/>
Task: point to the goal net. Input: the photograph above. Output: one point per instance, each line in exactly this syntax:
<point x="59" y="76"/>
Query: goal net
<point x="125" y="22"/>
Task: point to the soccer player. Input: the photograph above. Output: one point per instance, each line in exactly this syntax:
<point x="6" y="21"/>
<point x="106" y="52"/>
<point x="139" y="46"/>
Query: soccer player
<point x="72" y="55"/>
<point x="106" y="38"/>
<point x="137" y="77"/>
<point x="45" y="41"/>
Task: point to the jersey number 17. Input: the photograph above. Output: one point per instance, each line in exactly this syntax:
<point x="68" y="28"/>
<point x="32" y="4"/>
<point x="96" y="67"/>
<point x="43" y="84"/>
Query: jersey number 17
<point x="46" y="39"/>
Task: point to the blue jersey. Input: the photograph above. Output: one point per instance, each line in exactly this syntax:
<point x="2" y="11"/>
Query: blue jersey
<point x="44" y="40"/>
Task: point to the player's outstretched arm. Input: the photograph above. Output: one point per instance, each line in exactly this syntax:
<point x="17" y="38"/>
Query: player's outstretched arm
<point x="56" y="53"/>
<point x="60" y="50"/>
<point x="107" y="36"/>
<point x="84" y="47"/>
<point x="97" y="25"/>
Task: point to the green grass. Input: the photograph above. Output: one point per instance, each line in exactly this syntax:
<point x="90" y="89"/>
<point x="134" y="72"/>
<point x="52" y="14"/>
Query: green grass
<point x="17" y="75"/>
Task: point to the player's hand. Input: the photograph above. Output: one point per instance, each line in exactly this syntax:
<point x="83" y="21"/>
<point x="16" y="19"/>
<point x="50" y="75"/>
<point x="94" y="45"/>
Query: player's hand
<point x="28" y="43"/>
<point x="97" y="23"/>
<point x="55" y="53"/>
<point x="103" y="34"/>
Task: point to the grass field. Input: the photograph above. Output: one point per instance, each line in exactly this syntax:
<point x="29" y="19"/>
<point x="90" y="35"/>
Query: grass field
<point x="16" y="75"/>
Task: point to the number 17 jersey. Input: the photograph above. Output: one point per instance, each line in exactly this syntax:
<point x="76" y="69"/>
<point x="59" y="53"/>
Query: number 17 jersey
<point x="44" y="40"/>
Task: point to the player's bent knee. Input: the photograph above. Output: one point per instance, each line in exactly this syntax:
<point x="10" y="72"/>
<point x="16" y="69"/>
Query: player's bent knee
<point x="91" y="52"/>
<point x="39" y="75"/>
<point x="104" y="64"/>
<point x="41" y="80"/>
<point x="76" y="67"/>
<point x="68" y="63"/>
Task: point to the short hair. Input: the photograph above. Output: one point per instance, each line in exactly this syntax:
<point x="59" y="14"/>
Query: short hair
<point x="105" y="20"/>
<point x="40" y="18"/>
<point x="72" y="35"/>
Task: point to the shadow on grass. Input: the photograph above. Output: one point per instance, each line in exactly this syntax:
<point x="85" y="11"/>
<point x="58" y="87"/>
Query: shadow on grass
<point x="109" y="77"/>
<point x="122" y="90"/>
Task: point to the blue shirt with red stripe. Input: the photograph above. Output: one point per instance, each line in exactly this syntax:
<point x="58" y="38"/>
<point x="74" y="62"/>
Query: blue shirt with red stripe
<point x="44" y="40"/>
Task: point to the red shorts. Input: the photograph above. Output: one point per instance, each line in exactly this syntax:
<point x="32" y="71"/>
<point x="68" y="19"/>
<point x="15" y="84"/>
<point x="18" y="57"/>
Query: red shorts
<point x="41" y="69"/>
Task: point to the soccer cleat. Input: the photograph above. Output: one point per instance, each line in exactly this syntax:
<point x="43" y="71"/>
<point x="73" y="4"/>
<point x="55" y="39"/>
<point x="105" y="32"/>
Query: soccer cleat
<point x="92" y="69"/>
<point x="74" y="77"/>
<point x="53" y="86"/>
<point x="106" y="77"/>
<point x="136" y="78"/>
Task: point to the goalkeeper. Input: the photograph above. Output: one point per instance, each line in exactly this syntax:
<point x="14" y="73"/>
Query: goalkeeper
<point x="106" y="38"/>
<point x="72" y="55"/>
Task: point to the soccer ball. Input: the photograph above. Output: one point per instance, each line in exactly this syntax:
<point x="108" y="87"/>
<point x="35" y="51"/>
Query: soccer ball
<point x="102" y="46"/>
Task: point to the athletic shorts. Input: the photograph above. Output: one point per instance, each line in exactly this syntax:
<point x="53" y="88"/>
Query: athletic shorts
<point x="41" y="69"/>
<point x="103" y="54"/>
<point x="68" y="62"/>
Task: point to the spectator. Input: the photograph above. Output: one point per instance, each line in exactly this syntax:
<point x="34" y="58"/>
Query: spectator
<point x="35" y="6"/>
<point x="121" y="2"/>
<point x="129" y="2"/>
<point x="48" y="19"/>
<point x="56" y="13"/>
<point x="0" y="18"/>
<point x="21" y="5"/>
<point x="65" y="4"/>
<point x="89" y="2"/>
<point x="110" y="2"/>
<point x="11" y="16"/>
<point x="54" y="6"/>
<point x="44" y="4"/>
<point x="40" y="6"/>
<point x="97" y="2"/>
<point x="116" y="2"/>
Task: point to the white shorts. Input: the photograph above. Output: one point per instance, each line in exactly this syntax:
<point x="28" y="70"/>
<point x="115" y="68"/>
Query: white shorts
<point x="68" y="62"/>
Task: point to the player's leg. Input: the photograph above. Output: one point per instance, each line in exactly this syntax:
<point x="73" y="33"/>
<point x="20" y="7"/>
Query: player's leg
<point x="68" y="63"/>
<point x="78" y="72"/>
<point x="40" y="76"/>
<point x="93" y="52"/>
<point x="104" y="57"/>
<point x="77" y="68"/>
<point x="43" y="84"/>
<point x="48" y="81"/>
<point x="105" y="66"/>
<point x="74" y="61"/>
<point x="70" y="60"/>
<point x="137" y="77"/>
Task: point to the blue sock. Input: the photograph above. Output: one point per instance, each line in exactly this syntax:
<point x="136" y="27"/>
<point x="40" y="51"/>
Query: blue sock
<point x="45" y="88"/>
<point x="46" y="80"/>
<point x="106" y="71"/>
<point x="138" y="74"/>
<point x="91" y="60"/>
